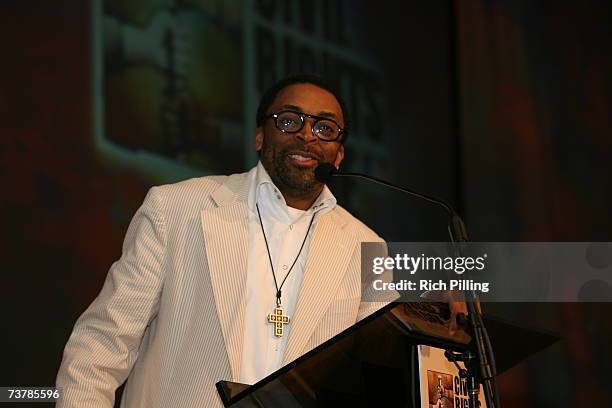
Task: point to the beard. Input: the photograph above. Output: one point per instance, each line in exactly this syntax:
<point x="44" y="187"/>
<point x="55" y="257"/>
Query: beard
<point x="299" y="181"/>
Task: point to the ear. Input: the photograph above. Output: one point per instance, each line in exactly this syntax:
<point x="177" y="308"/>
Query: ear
<point x="259" y="138"/>
<point x="339" y="156"/>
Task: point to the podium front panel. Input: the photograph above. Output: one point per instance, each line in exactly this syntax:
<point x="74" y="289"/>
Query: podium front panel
<point x="374" y="363"/>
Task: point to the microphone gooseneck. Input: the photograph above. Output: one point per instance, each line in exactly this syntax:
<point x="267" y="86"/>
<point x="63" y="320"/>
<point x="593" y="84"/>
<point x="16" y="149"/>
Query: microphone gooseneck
<point x="458" y="233"/>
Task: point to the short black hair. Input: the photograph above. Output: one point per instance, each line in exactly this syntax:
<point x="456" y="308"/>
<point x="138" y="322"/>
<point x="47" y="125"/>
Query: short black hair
<point x="270" y="95"/>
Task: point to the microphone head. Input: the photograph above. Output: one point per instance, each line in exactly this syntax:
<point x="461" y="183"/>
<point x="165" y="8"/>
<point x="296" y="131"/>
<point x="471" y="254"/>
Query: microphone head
<point x="324" y="172"/>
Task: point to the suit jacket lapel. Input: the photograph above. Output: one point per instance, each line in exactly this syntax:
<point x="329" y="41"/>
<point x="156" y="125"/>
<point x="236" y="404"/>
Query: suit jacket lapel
<point x="225" y="230"/>
<point x="329" y="254"/>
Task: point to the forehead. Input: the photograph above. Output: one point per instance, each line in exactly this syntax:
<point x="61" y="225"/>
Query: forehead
<point x="309" y="98"/>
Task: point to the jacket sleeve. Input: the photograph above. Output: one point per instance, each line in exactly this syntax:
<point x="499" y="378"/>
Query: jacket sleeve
<point x="105" y="340"/>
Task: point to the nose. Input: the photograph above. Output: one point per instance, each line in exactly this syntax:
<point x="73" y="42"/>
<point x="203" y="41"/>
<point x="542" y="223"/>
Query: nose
<point x="307" y="133"/>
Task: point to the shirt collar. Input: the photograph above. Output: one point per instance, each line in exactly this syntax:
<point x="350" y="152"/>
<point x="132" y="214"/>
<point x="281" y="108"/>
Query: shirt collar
<point x="261" y="184"/>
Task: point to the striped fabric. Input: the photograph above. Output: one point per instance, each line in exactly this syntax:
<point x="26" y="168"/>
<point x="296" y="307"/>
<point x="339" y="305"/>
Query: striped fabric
<point x="170" y="315"/>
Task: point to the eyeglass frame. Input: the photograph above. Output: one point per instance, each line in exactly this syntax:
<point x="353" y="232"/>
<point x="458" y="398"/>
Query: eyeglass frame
<point x="341" y="131"/>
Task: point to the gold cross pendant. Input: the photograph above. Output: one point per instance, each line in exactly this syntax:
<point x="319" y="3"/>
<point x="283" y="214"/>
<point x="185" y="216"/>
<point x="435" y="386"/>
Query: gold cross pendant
<point x="278" y="319"/>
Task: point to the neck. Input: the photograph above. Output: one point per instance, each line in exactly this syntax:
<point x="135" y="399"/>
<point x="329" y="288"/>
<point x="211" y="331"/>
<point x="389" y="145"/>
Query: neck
<point x="301" y="200"/>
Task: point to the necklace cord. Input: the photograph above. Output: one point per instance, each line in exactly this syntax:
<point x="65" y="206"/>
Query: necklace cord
<point x="278" y="289"/>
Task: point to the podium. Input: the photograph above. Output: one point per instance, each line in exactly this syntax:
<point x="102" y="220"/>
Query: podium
<point x="392" y="358"/>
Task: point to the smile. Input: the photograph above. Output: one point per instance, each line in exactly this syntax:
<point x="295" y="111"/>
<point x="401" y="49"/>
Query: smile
<point x="299" y="157"/>
<point x="303" y="159"/>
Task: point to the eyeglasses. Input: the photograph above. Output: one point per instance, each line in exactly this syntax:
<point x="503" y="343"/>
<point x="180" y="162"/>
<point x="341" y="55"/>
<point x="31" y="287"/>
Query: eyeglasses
<point x="325" y="129"/>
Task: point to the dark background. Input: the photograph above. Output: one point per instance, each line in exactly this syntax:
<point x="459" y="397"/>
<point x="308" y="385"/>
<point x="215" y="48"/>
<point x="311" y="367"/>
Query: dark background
<point x="500" y="107"/>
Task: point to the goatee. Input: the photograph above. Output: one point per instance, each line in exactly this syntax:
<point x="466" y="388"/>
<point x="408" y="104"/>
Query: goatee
<point x="300" y="180"/>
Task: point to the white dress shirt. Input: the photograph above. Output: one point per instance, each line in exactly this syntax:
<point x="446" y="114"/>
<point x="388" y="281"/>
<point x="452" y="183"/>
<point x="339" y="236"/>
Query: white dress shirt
<point x="285" y="229"/>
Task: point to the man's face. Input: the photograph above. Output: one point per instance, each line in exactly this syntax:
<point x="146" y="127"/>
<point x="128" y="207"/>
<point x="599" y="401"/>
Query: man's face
<point x="290" y="158"/>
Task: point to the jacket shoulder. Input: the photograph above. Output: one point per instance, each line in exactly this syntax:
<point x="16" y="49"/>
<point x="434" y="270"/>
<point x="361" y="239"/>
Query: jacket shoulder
<point x="197" y="185"/>
<point x="196" y="193"/>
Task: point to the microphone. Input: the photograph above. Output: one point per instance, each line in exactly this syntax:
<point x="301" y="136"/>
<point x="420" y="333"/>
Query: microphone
<point x="456" y="227"/>
<point x="324" y="172"/>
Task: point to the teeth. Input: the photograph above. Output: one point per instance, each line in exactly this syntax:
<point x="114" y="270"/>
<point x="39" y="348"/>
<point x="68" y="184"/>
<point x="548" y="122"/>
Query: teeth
<point x="299" y="157"/>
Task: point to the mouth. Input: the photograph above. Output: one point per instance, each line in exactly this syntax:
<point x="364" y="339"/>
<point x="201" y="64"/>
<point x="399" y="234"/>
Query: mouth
<point x="303" y="159"/>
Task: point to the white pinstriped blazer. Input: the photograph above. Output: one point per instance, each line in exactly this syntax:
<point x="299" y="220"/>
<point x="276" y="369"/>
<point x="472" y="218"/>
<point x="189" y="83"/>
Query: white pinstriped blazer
<point x="170" y="315"/>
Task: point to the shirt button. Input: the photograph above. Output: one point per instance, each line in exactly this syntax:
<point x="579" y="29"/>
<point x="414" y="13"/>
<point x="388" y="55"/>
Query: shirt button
<point x="285" y="267"/>
<point x="290" y="226"/>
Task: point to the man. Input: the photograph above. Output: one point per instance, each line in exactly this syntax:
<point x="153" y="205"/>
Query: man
<point x="227" y="277"/>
